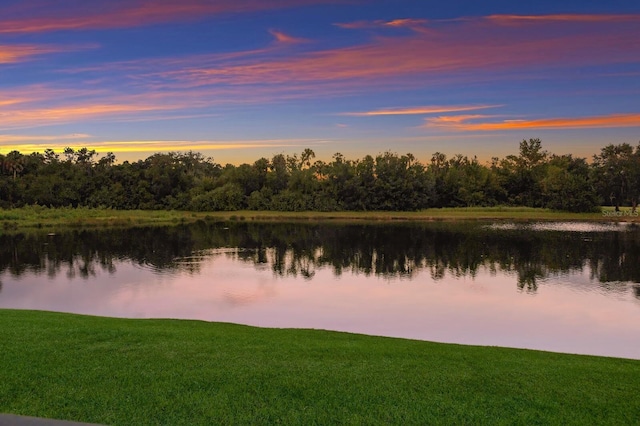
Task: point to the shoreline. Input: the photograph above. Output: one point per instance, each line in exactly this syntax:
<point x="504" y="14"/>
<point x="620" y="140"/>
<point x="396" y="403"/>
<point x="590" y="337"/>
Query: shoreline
<point x="37" y="217"/>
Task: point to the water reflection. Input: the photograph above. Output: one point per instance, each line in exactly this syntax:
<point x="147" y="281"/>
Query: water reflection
<point x="555" y="289"/>
<point x="534" y="254"/>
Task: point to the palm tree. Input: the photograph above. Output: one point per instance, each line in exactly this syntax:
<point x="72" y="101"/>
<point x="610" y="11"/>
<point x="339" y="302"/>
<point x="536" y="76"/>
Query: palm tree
<point x="13" y="163"/>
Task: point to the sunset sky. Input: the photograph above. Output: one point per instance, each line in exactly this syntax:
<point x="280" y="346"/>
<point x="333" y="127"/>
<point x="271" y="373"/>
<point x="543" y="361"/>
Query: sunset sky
<point x="241" y="79"/>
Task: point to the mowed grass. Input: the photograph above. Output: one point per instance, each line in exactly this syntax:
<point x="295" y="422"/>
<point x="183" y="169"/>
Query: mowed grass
<point x="51" y="218"/>
<point x="125" y="372"/>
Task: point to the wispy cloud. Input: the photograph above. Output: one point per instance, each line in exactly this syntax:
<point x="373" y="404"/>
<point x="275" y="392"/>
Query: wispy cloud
<point x="13" y="101"/>
<point x="286" y="38"/>
<point x="475" y="123"/>
<point x="27" y="117"/>
<point x="45" y="105"/>
<point x="455" y="47"/>
<point x="22" y="52"/>
<point x="405" y="22"/>
<point x="103" y="14"/>
<point x="394" y="23"/>
<point x="502" y="19"/>
<point x="466" y="49"/>
<point x="12" y="139"/>
<point x="34" y="144"/>
<point x="423" y="110"/>
<point x="563" y="18"/>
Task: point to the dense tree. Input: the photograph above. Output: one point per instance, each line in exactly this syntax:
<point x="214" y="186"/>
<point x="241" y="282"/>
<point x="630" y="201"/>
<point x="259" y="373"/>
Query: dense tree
<point x="567" y="185"/>
<point x="387" y="181"/>
<point x="617" y="170"/>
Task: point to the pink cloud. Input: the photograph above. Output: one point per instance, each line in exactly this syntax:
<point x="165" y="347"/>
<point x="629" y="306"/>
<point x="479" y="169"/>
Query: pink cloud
<point x="480" y="122"/>
<point x="565" y="18"/>
<point x="285" y="38"/>
<point x="394" y="23"/>
<point x="422" y="110"/>
<point x="453" y="47"/>
<point x="22" y="52"/>
<point x="466" y="49"/>
<point x="130" y="13"/>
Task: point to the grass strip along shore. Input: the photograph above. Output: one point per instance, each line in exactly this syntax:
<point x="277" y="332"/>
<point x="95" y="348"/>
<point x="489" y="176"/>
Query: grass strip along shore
<point x="123" y="371"/>
<point x="50" y="218"/>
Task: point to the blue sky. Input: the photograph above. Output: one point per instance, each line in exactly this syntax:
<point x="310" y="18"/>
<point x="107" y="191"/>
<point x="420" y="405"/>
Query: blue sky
<point x="241" y="79"/>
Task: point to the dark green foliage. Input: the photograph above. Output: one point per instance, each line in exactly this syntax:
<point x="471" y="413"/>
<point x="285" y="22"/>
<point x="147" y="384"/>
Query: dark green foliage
<point x="617" y="173"/>
<point x="225" y="198"/>
<point x="260" y="200"/>
<point x="387" y="182"/>
<point x="567" y="185"/>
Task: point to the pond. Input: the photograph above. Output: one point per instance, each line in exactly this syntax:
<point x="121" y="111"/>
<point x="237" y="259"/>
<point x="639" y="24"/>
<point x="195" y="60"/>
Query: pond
<point x="565" y="287"/>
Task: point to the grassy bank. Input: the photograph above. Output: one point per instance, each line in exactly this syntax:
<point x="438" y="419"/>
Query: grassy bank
<point x="42" y="217"/>
<point x="116" y="371"/>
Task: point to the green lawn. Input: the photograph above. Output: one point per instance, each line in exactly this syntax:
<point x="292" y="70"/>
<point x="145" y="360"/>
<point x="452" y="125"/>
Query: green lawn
<point x="117" y="371"/>
<point x="43" y="217"/>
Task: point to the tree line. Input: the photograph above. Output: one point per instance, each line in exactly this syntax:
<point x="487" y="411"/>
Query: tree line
<point x="190" y="181"/>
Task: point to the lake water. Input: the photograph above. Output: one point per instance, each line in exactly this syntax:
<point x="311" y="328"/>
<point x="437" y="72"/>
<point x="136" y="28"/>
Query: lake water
<point x="566" y="287"/>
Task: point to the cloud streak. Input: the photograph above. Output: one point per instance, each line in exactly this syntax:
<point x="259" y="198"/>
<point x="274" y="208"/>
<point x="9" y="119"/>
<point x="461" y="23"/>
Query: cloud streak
<point x="562" y="18"/>
<point x="394" y="23"/>
<point x="10" y="54"/>
<point x="125" y="14"/>
<point x="474" y="123"/>
<point x="286" y="38"/>
<point x="12" y="139"/>
<point x="423" y="110"/>
<point x="32" y="144"/>
<point x="26" y="117"/>
<point x="465" y="47"/>
<point x="502" y="19"/>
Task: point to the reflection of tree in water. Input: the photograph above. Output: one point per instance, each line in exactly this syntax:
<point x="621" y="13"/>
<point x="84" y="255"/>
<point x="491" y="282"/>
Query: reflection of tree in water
<point x="457" y="249"/>
<point x="528" y="276"/>
<point x="617" y="258"/>
<point x="81" y="253"/>
<point x="299" y="249"/>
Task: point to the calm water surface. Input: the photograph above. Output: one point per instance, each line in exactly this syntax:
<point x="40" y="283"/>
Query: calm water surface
<point x="567" y="287"/>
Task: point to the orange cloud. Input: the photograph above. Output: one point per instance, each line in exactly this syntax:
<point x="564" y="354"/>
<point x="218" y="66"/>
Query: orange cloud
<point x="28" y="117"/>
<point x="471" y="123"/>
<point x="8" y="102"/>
<point x="24" y="138"/>
<point x="285" y="38"/>
<point x="44" y="105"/>
<point x="131" y="13"/>
<point x="418" y="110"/>
<point x="19" y="53"/>
<point x="395" y="23"/>
<point x="29" y="145"/>
<point x="406" y="22"/>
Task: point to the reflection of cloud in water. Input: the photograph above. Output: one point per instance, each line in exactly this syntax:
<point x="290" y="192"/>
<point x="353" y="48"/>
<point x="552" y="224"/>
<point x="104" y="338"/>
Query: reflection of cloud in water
<point x="247" y="297"/>
<point x="562" y="226"/>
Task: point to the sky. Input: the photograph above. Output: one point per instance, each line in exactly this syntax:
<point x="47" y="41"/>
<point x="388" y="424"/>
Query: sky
<point x="242" y="79"/>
